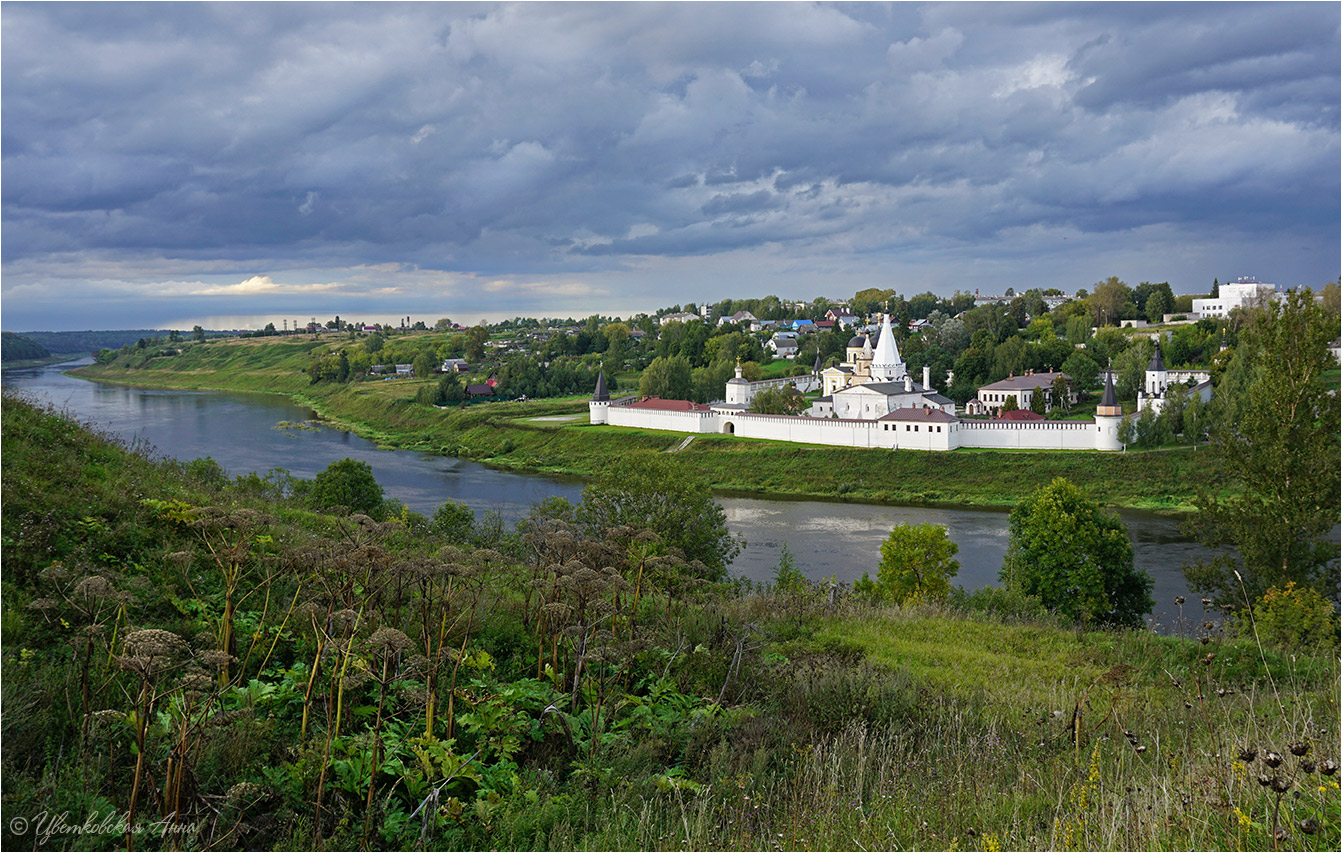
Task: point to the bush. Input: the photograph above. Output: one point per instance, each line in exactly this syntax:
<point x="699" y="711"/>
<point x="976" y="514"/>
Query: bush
<point x="347" y="483"/>
<point x="1293" y="619"/>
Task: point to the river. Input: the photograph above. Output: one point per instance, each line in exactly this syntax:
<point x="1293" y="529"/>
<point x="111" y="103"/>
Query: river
<point x="244" y="433"/>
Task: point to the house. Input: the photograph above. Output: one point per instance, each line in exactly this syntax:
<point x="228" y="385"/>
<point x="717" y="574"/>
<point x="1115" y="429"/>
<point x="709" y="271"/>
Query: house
<point x="804" y="326"/>
<point x="1021" y="388"/>
<point x="455" y="365"/>
<point x="483" y="389"/>
<point x="738" y="317"/>
<point x="678" y="317"/>
<point x="783" y="347"/>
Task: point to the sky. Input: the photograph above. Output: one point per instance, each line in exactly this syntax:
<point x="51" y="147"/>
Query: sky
<point x="166" y="165"/>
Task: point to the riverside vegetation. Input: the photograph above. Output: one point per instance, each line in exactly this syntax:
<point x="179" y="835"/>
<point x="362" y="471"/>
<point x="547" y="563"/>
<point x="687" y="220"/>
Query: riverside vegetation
<point x="508" y="435"/>
<point x="228" y="660"/>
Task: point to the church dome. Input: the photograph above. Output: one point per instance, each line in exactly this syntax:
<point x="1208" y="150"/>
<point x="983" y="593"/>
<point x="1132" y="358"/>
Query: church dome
<point x="857" y="341"/>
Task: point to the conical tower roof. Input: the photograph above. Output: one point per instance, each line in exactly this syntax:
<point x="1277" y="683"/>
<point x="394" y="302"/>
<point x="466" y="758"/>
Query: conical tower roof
<point x="1157" y="363"/>
<point x="1109" y="398"/>
<point x="601" y="395"/>
<point x="886" y="365"/>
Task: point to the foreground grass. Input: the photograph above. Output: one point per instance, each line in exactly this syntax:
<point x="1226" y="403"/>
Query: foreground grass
<point x="732" y="719"/>
<point x="506" y="434"/>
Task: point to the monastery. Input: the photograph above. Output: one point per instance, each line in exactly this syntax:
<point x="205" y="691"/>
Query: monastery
<point x="869" y="401"/>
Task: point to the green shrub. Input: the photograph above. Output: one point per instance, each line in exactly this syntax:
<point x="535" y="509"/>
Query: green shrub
<point x="1293" y="618"/>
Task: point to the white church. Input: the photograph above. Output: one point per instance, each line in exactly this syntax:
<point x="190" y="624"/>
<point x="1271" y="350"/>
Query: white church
<point x="869" y="401"/>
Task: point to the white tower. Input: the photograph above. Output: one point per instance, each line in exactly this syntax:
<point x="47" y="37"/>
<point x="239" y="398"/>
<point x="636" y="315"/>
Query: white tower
<point x="598" y="408"/>
<point x="738" y="389"/>
<point x="886" y="365"/>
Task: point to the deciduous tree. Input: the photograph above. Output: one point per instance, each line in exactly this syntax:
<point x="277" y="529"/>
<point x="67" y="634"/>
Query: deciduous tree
<point x="1075" y="558"/>
<point x="917" y="564"/>
<point x="1274" y="427"/>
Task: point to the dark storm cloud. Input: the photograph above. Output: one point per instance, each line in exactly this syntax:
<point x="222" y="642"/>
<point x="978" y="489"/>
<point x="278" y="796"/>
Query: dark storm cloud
<point x="557" y="144"/>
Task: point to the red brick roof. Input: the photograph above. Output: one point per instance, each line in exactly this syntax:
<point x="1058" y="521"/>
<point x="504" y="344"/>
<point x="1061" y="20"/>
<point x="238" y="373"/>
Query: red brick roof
<point x="1020" y="415"/>
<point x="658" y="404"/>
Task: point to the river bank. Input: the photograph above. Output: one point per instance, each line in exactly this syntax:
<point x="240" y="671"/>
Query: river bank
<point x="511" y="435"/>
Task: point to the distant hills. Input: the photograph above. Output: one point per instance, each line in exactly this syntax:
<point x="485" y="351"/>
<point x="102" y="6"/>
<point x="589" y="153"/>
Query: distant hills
<point x="20" y="348"/>
<point x="57" y="343"/>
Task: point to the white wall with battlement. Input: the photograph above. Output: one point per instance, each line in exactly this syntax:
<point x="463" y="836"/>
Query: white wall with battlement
<point x="1029" y="435"/>
<point x="1100" y="434"/>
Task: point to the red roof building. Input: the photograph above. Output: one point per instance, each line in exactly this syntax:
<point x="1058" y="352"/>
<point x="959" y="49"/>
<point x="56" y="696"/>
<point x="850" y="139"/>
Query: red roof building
<point x="660" y="405"/>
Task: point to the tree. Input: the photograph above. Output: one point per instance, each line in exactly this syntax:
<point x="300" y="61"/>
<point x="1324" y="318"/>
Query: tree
<point x="650" y="492"/>
<point x="917" y="563"/>
<point x="1062" y="394"/>
<point x="1111" y="301"/>
<point x="197" y="333"/>
<point x="347" y="483"/>
<point x="616" y="336"/>
<point x="1075" y="558"/>
<point x="1083" y="370"/>
<point x="454" y="521"/>
<point x="1037" y="400"/>
<point x="1010" y="404"/>
<point x="1158" y="304"/>
<point x="668" y="378"/>
<point x="424" y="365"/>
<point x="475" y="342"/>
<point x="342" y="368"/>
<point x="777" y="401"/>
<point x="450" y="389"/>
<point x="373" y="345"/>
<point x="1274" y="429"/>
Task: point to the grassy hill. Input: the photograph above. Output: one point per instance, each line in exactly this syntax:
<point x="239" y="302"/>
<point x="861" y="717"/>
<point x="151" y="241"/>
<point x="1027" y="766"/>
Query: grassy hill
<point x="223" y="661"/>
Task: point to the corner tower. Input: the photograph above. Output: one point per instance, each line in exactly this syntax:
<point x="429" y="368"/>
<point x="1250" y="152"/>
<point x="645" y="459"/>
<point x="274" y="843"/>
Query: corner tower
<point x="598" y="408"/>
<point x="1108" y="415"/>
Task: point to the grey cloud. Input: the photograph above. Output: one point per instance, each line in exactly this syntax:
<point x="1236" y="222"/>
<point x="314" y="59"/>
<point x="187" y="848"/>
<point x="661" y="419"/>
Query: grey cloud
<point x="537" y="138"/>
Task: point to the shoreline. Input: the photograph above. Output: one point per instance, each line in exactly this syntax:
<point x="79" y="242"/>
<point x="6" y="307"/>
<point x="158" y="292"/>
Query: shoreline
<point x="514" y="440"/>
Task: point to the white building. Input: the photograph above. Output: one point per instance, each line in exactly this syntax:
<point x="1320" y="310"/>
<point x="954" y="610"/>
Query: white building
<point x="1242" y="293"/>
<point x="887" y="410"/>
<point x="678" y="317"/>
<point x="1018" y="388"/>
<point x="1159" y="381"/>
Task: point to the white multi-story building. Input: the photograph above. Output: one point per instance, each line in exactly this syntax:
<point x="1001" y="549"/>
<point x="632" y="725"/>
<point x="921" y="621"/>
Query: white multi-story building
<point x="1232" y="295"/>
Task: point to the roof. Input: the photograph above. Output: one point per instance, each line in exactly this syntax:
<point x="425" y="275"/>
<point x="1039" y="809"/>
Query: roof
<point x="920" y="414"/>
<point x="1025" y="383"/>
<point x="1157" y="363"/>
<point x="482" y="390"/>
<point x="889" y="389"/>
<point x="1109" y="398"/>
<point x="937" y="398"/>
<point x="660" y="405"/>
<point x="1020" y="415"/>
<point x="857" y="341"/>
<point x="601" y="394"/>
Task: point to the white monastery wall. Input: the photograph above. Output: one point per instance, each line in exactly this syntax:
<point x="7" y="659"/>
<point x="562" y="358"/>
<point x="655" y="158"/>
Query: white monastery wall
<point x="1029" y="435"/>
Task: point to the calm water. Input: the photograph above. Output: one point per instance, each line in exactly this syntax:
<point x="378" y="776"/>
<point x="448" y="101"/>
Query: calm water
<point x="241" y="433"/>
